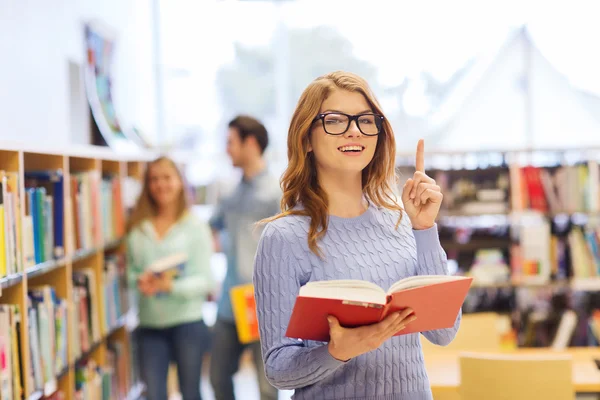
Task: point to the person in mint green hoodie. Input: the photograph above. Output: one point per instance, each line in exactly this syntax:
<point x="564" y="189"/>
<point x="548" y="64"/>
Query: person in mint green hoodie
<point x="170" y="306"/>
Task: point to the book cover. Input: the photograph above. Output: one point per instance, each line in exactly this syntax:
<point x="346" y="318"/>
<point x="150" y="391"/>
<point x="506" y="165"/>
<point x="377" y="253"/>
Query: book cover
<point x="244" y="312"/>
<point x="435" y="301"/>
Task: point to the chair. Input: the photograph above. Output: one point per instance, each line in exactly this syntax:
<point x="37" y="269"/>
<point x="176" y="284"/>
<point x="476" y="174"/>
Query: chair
<point x="516" y="377"/>
<point x="477" y="332"/>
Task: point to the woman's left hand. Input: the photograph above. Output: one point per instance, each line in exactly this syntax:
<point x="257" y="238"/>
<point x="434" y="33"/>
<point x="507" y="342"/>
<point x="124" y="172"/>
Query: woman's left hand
<point x="164" y="283"/>
<point x="421" y="196"/>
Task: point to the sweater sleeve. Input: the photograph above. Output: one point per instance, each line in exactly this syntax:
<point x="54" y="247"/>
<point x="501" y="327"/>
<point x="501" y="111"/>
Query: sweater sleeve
<point x="199" y="280"/>
<point x="289" y="363"/>
<point x="432" y="260"/>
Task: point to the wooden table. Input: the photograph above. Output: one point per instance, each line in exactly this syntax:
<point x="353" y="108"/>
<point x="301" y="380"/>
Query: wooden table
<point x="443" y="368"/>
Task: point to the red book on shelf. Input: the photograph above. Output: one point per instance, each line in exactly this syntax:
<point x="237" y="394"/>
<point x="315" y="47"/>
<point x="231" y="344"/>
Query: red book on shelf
<point x="435" y="300"/>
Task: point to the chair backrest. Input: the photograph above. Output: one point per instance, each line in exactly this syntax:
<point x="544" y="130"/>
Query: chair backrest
<point x="477" y="332"/>
<point x="516" y="377"/>
<point x="565" y="330"/>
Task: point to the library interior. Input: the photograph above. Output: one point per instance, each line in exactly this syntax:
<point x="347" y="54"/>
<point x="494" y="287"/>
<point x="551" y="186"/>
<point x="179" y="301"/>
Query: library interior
<point x="143" y="144"/>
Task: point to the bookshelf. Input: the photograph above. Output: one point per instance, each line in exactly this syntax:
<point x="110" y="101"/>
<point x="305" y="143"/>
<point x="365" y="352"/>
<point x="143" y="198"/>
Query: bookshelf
<point x="525" y="224"/>
<point x="65" y="312"/>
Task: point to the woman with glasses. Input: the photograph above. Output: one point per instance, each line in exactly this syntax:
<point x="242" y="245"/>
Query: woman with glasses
<point x="341" y="220"/>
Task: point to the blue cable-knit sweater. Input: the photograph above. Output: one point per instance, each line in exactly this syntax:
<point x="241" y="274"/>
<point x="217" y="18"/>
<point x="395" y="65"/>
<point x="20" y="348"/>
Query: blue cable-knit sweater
<point x="366" y="247"/>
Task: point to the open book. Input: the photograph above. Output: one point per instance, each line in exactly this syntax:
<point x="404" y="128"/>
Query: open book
<point x="435" y="299"/>
<point x="172" y="264"/>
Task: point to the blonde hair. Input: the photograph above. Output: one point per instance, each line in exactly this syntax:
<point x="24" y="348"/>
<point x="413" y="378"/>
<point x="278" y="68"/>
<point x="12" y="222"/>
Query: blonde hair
<point x="299" y="181"/>
<point x="146" y="207"/>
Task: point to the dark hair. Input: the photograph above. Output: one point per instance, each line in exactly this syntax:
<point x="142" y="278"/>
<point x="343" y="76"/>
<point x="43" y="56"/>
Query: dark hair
<point x="248" y="126"/>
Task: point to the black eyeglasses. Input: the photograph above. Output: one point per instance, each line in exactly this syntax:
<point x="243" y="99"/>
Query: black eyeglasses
<point x="339" y="123"/>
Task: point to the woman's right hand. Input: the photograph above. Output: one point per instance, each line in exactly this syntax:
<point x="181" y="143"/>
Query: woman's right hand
<point x="146" y="284"/>
<point x="347" y="343"/>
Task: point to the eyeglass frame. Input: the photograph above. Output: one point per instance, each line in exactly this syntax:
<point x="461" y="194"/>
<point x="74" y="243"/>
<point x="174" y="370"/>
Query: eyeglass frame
<point x="351" y="118"/>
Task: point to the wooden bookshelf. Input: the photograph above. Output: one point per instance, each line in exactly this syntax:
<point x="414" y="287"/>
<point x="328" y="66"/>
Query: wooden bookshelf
<point x="100" y="177"/>
<point x="525" y="223"/>
<point x="548" y="184"/>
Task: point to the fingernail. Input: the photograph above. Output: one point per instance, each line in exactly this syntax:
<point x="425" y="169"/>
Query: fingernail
<point x="329" y="320"/>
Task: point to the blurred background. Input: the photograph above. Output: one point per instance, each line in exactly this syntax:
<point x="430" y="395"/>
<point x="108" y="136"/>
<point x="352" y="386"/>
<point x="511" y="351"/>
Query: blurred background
<point x="463" y="75"/>
<point x="506" y="95"/>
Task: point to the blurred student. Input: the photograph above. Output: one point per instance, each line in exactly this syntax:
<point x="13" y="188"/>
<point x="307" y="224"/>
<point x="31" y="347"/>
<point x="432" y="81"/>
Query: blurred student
<point x="256" y="196"/>
<point x="170" y="307"/>
<point x="342" y="221"/>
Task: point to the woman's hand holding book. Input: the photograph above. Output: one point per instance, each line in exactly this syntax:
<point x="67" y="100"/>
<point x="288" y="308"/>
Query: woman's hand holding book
<point x="347" y="343"/>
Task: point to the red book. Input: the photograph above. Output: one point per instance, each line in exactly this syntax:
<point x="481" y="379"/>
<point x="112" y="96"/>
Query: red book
<point x="435" y="300"/>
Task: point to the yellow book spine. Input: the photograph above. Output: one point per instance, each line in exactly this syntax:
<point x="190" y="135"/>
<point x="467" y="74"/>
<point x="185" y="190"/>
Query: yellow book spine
<point x="3" y="269"/>
<point x="244" y="312"/>
<point x="17" y="386"/>
<point x="13" y="181"/>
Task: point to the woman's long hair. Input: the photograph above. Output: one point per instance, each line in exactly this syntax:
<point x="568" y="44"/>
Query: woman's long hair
<point x="299" y="182"/>
<point x="146" y="206"/>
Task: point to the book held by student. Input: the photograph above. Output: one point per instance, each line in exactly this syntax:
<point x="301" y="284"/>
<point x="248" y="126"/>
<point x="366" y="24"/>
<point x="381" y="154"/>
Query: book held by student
<point x="244" y="312"/>
<point x="435" y="300"/>
<point x="172" y="265"/>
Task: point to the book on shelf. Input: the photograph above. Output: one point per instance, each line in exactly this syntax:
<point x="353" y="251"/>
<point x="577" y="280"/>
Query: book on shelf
<point x="88" y="315"/>
<point x="47" y="336"/>
<point x="435" y="300"/>
<point x="556" y="189"/>
<point x="109" y="380"/>
<point x="113" y="212"/>
<point x="52" y="198"/>
<point x="244" y="312"/>
<point x="86" y="209"/>
<point x="119" y="371"/>
<point x="114" y="294"/>
<point x="10" y="224"/>
<point x="11" y="376"/>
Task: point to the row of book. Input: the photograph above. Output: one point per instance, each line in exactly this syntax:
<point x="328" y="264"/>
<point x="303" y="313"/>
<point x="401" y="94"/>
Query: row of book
<point x="48" y="323"/>
<point x="47" y="333"/>
<point x="92" y="381"/>
<point x="546" y="251"/>
<point x="87" y="323"/>
<point x="106" y="382"/>
<point x="10" y="225"/>
<point x="95" y="203"/>
<point x="541" y="255"/>
<point x="47" y="316"/>
<point x="117" y="296"/>
<point x="560" y="189"/>
<point x="501" y="189"/>
<point x="11" y="387"/>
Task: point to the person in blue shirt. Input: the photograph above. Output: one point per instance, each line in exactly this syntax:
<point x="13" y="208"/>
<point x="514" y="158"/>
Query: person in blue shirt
<point x="170" y="308"/>
<point x="257" y="196"/>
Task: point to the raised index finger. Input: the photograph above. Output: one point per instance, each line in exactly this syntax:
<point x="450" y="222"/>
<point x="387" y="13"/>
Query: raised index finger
<point x="420" y="161"/>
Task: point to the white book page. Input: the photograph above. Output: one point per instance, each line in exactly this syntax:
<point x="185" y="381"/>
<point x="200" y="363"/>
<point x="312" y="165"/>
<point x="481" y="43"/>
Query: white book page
<point x="347" y="289"/>
<point x="166" y="263"/>
<point x="422" y="280"/>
